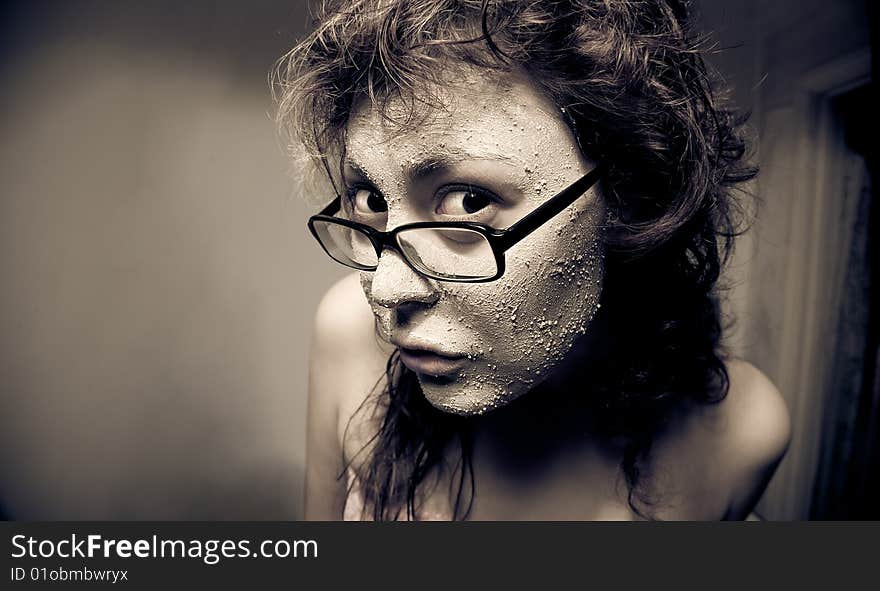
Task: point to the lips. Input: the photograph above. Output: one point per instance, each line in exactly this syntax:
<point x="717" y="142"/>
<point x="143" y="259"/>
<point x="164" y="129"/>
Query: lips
<point x="429" y="361"/>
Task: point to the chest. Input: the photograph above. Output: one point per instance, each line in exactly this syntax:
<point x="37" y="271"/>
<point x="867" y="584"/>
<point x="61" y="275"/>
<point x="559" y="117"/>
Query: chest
<point x="575" y="484"/>
<point x="570" y="493"/>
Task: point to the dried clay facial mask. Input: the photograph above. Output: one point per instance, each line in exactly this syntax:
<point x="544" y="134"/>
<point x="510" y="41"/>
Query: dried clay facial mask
<point x="498" y="133"/>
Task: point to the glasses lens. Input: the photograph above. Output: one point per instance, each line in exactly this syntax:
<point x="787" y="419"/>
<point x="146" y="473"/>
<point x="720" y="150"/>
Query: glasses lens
<point x="449" y="253"/>
<point x="348" y="246"/>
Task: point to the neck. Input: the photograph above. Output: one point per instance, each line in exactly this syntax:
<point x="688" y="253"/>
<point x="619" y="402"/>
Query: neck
<point x="553" y="422"/>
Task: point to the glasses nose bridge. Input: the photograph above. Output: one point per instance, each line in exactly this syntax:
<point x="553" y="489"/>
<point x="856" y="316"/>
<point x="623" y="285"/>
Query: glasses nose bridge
<point x="388" y="240"/>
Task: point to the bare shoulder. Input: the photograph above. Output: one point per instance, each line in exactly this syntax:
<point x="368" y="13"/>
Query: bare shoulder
<point x="758" y="423"/>
<point x="723" y="455"/>
<point x="345" y="347"/>
<point x="757" y="435"/>
<point x="344" y="321"/>
<point x="345" y="363"/>
<point x="753" y="430"/>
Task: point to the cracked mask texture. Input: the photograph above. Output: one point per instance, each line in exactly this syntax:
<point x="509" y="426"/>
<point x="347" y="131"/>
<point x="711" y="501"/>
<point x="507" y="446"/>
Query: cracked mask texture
<point x="500" y="134"/>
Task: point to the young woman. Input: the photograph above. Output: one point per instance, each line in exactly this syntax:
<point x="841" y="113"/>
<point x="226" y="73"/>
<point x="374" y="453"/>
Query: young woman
<point x="538" y="199"/>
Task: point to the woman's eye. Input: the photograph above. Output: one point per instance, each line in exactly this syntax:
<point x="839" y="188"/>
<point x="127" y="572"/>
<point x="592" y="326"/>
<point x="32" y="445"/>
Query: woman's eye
<point x="463" y="202"/>
<point x="368" y="202"/>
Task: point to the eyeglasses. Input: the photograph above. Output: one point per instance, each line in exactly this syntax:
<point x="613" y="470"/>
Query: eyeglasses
<point x="465" y="252"/>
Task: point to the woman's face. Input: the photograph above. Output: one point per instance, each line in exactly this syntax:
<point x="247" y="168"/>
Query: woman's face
<point x="495" y="151"/>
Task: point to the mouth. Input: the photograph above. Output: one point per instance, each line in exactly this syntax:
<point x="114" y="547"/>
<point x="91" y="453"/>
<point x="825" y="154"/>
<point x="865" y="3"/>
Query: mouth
<point x="430" y="363"/>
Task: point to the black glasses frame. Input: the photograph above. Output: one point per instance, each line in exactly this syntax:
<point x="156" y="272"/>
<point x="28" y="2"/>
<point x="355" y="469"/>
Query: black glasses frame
<point x="500" y="240"/>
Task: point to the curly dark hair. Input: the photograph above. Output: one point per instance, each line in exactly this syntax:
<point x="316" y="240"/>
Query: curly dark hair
<point x="631" y="76"/>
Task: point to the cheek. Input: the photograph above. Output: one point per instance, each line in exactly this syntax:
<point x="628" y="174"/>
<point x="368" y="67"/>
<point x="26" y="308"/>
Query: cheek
<point x="529" y="319"/>
<point x="554" y="299"/>
<point x="367" y="284"/>
<point x="382" y="315"/>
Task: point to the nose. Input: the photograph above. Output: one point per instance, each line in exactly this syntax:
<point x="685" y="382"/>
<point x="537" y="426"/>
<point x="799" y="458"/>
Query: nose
<point x="396" y="286"/>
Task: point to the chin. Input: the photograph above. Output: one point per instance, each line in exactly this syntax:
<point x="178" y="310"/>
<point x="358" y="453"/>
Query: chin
<point x="466" y="397"/>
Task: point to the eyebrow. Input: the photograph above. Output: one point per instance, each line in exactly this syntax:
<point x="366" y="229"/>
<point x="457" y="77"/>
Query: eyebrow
<point x="431" y="164"/>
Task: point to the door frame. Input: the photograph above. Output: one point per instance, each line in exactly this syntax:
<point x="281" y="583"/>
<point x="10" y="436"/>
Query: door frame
<point x="810" y="313"/>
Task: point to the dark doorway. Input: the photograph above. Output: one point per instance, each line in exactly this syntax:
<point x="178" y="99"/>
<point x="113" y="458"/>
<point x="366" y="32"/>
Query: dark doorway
<point x="847" y="484"/>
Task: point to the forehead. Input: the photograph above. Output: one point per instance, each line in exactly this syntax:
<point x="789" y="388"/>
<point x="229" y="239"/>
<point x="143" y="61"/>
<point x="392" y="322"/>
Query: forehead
<point x="472" y="111"/>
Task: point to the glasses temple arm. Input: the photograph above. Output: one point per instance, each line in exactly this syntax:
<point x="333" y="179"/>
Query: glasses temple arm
<point x="333" y="207"/>
<point x="548" y="209"/>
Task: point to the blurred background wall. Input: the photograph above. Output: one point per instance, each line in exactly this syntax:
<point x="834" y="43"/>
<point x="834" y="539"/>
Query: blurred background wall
<point x="158" y="283"/>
